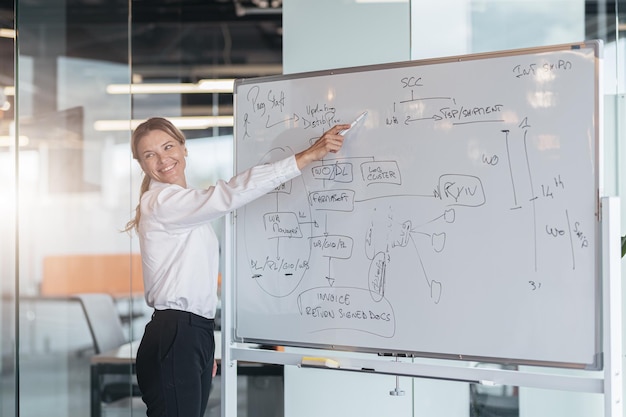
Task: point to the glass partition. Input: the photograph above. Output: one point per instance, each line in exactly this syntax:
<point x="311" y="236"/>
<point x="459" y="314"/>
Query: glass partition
<point x="9" y="145"/>
<point x="70" y="185"/>
<point x="73" y="202"/>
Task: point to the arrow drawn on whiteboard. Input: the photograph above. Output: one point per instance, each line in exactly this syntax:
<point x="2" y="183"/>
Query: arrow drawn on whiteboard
<point x="508" y="157"/>
<point x="331" y="280"/>
<point x="295" y="118"/>
<point x="314" y="223"/>
<point x="449" y="215"/>
<point x="571" y="242"/>
<point x="525" y="125"/>
<point x="437" y="240"/>
<point x="277" y="240"/>
<point x="436" y="287"/>
<point x="409" y="120"/>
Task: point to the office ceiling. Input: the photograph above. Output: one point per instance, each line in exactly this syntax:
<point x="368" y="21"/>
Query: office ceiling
<point x="168" y="41"/>
<point x="182" y="40"/>
<point x="179" y="39"/>
<point x="186" y="39"/>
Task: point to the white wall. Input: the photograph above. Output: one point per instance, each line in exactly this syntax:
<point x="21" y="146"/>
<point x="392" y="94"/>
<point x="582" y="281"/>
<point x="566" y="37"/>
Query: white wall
<point x="325" y="34"/>
<point x="456" y="27"/>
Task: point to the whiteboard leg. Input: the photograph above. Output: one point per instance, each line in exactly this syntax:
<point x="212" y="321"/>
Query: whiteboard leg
<point x="229" y="389"/>
<point x="229" y="366"/>
<point x="612" y="312"/>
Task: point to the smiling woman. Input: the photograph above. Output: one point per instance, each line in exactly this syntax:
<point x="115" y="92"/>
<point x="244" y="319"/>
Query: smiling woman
<point x="180" y="259"/>
<point x="162" y="158"/>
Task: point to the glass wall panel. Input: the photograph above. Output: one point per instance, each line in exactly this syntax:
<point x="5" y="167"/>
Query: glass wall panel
<point x="72" y="201"/>
<point x="485" y="26"/>
<point x="8" y="213"/>
<point x="618" y="61"/>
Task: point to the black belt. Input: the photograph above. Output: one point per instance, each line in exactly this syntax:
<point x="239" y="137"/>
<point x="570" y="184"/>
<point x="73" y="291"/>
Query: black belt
<point x="191" y="318"/>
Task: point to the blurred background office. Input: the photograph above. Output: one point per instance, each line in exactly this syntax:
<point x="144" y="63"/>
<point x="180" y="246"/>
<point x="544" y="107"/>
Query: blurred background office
<point x="77" y="75"/>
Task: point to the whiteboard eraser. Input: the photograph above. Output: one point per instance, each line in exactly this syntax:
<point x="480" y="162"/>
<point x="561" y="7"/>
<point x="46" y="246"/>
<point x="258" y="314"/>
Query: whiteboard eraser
<point x="319" y="362"/>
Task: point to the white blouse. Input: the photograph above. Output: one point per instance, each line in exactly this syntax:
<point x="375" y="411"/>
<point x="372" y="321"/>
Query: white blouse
<point x="179" y="249"/>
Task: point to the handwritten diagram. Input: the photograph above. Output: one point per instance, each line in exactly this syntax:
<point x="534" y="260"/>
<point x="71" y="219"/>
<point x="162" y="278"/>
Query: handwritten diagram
<point x="454" y="194"/>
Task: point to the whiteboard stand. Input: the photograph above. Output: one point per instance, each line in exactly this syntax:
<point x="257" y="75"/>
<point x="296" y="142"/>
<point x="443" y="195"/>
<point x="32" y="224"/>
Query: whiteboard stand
<point x="229" y="366"/>
<point x="610" y="384"/>
<point x="612" y="311"/>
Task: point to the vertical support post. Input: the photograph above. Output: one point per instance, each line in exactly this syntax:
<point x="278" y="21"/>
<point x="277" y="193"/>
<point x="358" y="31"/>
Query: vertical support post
<point x="228" y="366"/>
<point x="611" y="310"/>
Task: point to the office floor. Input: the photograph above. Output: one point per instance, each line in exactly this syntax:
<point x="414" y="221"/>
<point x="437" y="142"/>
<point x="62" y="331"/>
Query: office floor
<point x="57" y="385"/>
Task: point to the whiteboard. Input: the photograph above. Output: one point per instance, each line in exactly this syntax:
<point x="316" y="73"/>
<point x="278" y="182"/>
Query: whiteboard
<point x="459" y="220"/>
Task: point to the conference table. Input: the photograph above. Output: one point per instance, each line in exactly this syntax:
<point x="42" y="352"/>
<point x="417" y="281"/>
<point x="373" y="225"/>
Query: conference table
<point x="121" y="361"/>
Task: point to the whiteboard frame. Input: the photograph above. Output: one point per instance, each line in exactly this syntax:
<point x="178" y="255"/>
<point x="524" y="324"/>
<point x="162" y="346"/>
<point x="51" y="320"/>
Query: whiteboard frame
<point x="596" y="46"/>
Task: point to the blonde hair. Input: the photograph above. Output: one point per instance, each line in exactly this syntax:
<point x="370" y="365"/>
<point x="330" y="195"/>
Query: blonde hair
<point x="154" y="123"/>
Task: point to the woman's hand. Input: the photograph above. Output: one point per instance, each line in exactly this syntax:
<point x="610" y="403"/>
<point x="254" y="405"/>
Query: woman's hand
<point x="214" y="372"/>
<point x="330" y="141"/>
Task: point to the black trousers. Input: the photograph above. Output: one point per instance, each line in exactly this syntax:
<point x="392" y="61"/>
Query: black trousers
<point x="175" y="364"/>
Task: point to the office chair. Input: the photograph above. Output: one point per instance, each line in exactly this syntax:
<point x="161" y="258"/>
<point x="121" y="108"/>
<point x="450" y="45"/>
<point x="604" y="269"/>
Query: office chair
<point x="107" y="333"/>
